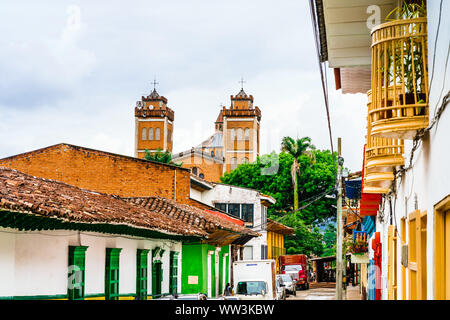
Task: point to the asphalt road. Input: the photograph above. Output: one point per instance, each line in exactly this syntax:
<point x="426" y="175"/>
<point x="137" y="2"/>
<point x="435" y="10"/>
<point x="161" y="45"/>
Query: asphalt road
<point x="314" y="294"/>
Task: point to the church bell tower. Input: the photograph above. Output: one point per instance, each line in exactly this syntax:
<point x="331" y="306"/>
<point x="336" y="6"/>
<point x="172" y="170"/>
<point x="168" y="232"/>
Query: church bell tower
<point x="153" y="124"/>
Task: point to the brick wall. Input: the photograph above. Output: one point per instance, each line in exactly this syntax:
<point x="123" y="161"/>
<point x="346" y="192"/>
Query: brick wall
<point x="103" y="172"/>
<point x="212" y="170"/>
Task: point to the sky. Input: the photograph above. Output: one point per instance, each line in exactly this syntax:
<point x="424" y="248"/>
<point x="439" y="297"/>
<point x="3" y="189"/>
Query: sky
<point x="72" y="71"/>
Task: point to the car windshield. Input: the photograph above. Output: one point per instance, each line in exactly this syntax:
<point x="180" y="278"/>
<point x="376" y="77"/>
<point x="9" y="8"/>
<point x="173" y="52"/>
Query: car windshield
<point x="293" y="267"/>
<point x="286" y="278"/>
<point x="251" y="287"/>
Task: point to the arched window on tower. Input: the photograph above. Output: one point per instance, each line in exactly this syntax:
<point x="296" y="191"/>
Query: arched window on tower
<point x="233" y="164"/>
<point x="239" y="134"/>
<point x="244" y="160"/>
<point x="247" y="134"/>
<point x="232" y="135"/>
<point x="194" y="170"/>
<point x="150" y="133"/>
<point x="157" y="134"/>
<point x="144" y="134"/>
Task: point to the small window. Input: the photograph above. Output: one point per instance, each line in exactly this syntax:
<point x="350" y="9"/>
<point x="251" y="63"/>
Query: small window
<point x="77" y="260"/>
<point x="169" y="135"/>
<point x="232" y="135"/>
<point x="247" y="134"/>
<point x="195" y="170"/>
<point x="221" y="206"/>
<point x="244" y="160"/>
<point x="202" y="176"/>
<point x="157" y="134"/>
<point x="150" y="134"/>
<point x="239" y="134"/>
<point x="142" y="273"/>
<point x="263" y="252"/>
<point x="247" y="214"/>
<point x="212" y="153"/>
<point x="144" y="133"/>
<point x="233" y="209"/>
<point x="112" y="273"/>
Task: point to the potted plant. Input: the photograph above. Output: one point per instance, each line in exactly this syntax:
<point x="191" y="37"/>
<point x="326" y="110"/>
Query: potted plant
<point x="409" y="64"/>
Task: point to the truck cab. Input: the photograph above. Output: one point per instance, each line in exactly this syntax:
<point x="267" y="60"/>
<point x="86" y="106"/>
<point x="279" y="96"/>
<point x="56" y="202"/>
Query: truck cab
<point x="295" y="265"/>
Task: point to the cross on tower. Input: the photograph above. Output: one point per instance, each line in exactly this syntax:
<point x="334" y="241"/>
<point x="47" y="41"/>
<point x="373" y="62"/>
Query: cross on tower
<point x="154" y="84"/>
<point x="242" y="82"/>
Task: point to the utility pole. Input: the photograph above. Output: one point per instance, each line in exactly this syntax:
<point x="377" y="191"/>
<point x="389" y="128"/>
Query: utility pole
<point x="339" y="227"/>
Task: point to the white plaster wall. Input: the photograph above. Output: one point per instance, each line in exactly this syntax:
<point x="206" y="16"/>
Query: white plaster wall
<point x="36" y="263"/>
<point x="7" y="261"/>
<point x="231" y="194"/>
<point x="196" y="194"/>
<point x="428" y="180"/>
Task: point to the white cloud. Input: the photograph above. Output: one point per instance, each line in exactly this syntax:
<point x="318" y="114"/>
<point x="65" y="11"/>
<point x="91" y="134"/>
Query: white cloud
<point x="82" y="67"/>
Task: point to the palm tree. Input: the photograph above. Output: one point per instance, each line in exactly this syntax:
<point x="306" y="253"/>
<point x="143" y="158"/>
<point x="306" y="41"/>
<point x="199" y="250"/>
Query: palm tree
<point x="297" y="148"/>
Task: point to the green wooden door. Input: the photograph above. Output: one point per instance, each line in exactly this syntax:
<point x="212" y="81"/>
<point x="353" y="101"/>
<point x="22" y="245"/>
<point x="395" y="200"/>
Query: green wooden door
<point x="156" y="279"/>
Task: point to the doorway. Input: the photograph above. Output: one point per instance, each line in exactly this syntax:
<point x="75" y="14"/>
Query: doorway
<point x="442" y="249"/>
<point x="156" y="279"/>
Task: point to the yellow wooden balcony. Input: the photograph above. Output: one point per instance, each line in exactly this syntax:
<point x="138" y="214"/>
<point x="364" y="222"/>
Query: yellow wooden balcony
<point x="399" y="79"/>
<point x="382" y="155"/>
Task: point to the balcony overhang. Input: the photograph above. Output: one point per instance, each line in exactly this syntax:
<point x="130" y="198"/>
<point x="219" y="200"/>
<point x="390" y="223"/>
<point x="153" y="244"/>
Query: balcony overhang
<point x="346" y="32"/>
<point x="345" y="38"/>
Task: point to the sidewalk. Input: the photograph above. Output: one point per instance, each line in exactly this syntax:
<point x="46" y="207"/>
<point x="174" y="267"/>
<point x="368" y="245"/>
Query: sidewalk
<point x="353" y="293"/>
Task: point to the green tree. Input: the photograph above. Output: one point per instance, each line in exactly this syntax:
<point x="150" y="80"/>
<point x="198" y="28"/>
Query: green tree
<point x="297" y="148"/>
<point x="159" y="156"/>
<point x="306" y="239"/>
<point x="329" y="239"/>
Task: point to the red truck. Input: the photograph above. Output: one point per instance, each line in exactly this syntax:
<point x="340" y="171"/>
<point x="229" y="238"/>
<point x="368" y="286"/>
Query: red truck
<point x="297" y="265"/>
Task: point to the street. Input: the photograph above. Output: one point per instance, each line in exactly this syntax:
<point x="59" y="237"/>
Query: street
<point x="325" y="293"/>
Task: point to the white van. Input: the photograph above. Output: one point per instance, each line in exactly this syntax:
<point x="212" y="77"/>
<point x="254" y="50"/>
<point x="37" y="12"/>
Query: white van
<point x="254" y="279"/>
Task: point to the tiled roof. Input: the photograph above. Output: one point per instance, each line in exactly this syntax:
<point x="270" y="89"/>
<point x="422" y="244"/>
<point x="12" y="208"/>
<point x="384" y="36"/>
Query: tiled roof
<point x="190" y="215"/>
<point x="33" y="196"/>
<point x="277" y="227"/>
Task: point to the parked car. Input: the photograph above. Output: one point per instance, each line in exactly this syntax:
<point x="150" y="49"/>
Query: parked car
<point x="289" y="283"/>
<point x="281" y="289"/>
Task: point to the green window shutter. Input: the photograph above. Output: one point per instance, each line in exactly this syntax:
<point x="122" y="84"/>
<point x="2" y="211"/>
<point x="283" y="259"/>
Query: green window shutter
<point x="112" y="273"/>
<point x="141" y="273"/>
<point x="173" y="278"/>
<point x="77" y="260"/>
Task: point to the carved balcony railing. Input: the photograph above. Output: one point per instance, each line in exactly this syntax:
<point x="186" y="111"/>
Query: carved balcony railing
<point x="399" y="79"/>
<point x="381" y="157"/>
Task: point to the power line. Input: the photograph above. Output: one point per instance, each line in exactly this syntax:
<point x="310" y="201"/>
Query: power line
<point x="324" y="85"/>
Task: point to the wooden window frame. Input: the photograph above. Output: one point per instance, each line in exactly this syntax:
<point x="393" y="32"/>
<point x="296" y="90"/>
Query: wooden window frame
<point x="440" y="212"/>
<point x="417" y="264"/>
<point x="112" y="265"/>
<point x="77" y="258"/>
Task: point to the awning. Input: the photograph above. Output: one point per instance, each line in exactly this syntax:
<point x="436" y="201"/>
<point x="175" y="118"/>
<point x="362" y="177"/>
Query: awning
<point x="369" y="201"/>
